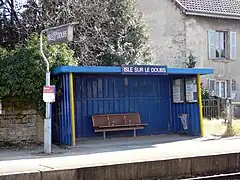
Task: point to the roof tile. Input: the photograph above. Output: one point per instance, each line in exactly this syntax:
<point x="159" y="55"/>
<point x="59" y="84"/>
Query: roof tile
<point x="213" y="6"/>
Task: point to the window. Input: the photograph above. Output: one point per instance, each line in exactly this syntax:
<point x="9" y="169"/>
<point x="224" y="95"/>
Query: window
<point x="222" y="88"/>
<point x="178" y="91"/>
<point x="222" y="45"/>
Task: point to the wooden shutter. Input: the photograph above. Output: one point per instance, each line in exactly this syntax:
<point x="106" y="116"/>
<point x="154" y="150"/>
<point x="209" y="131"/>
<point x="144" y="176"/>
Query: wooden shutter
<point x="234" y="89"/>
<point x="234" y="85"/>
<point x="211" y="44"/>
<point x="212" y="86"/>
<point x="233" y="45"/>
<point x="229" y="89"/>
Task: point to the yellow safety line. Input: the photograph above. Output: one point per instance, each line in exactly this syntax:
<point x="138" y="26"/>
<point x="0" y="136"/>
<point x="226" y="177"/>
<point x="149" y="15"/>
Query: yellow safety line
<point x="200" y="103"/>
<point x="72" y="109"/>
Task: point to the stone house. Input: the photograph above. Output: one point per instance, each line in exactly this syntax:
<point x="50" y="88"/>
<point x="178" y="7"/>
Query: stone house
<point x="210" y="29"/>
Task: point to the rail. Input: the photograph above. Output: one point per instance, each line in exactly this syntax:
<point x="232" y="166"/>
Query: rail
<point x="230" y="176"/>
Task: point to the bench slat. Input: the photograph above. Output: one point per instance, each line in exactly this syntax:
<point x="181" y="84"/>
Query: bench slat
<point x="100" y="120"/>
<point x="125" y="125"/>
<point x="118" y="129"/>
<point x="133" y="119"/>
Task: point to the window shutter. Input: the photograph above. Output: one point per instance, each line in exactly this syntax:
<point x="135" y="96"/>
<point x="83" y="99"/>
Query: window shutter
<point x="229" y="89"/>
<point x="212" y="86"/>
<point x="234" y="89"/>
<point x="233" y="45"/>
<point x="234" y="85"/>
<point x="211" y="44"/>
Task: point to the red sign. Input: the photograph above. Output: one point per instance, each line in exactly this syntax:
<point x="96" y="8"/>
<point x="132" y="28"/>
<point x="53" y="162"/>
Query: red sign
<point x="48" y="89"/>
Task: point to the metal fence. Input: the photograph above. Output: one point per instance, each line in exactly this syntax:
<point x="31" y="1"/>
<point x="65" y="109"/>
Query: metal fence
<point x="214" y="108"/>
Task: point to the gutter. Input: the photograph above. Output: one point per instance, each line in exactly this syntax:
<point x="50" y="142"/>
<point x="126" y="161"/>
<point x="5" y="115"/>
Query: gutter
<point x="212" y="15"/>
<point x="180" y="5"/>
<point x="178" y="2"/>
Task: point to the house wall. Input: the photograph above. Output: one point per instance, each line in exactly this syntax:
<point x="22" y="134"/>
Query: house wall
<point x="166" y="25"/>
<point x="174" y="35"/>
<point x="197" y="42"/>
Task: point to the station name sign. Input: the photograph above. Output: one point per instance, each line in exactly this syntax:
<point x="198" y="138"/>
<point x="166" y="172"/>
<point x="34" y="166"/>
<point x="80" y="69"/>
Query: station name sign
<point x="60" y="34"/>
<point x="144" y="70"/>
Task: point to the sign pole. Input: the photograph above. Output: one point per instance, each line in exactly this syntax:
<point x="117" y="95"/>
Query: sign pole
<point x="47" y="120"/>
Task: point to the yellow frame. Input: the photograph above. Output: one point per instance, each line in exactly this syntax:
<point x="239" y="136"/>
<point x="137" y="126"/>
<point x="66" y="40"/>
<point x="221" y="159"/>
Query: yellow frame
<point x="72" y="109"/>
<point x="200" y="104"/>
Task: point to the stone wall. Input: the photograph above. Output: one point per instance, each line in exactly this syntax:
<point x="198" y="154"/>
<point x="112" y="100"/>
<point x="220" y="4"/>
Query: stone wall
<point x="20" y="126"/>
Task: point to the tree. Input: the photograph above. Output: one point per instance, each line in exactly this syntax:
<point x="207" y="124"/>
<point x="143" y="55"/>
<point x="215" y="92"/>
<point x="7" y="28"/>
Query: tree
<point x="110" y="32"/>
<point x="23" y="70"/>
<point x="191" y="61"/>
<point x="8" y="24"/>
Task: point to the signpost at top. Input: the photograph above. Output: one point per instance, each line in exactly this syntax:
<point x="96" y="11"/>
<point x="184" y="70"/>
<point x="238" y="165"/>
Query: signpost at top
<point x="61" y="34"/>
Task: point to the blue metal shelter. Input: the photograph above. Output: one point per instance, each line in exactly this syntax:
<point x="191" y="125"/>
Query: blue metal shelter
<point x="107" y="90"/>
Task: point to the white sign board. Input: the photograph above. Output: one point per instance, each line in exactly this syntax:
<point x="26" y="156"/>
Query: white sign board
<point x="60" y="34"/>
<point x="178" y="91"/>
<point x="191" y="90"/>
<point x="49" y="93"/>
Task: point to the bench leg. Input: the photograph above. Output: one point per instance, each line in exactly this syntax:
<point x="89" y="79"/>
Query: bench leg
<point x="134" y="132"/>
<point x="104" y="135"/>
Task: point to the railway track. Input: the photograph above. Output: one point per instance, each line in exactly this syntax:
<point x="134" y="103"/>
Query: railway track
<point x="232" y="176"/>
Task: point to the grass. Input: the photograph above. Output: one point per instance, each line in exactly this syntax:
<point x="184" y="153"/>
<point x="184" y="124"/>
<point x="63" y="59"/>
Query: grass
<point x="217" y="127"/>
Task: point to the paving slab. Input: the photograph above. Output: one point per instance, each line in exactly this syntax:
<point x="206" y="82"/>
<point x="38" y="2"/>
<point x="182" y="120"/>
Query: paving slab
<point x="116" y="151"/>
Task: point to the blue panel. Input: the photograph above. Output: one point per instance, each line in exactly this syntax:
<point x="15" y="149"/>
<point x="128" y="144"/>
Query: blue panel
<point x="192" y="109"/>
<point x="68" y="136"/>
<point x="118" y="70"/>
<point x="104" y="94"/>
<point x="63" y="115"/>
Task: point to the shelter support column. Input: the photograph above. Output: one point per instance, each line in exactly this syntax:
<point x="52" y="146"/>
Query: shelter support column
<point x="72" y="109"/>
<point x="200" y="104"/>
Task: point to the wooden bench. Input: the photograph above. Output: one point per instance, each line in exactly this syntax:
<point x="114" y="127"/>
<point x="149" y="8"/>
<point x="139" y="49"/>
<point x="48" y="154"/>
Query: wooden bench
<point x="117" y="122"/>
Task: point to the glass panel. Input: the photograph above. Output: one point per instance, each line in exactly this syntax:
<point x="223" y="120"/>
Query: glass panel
<point x="221" y="44"/>
<point x="223" y="89"/>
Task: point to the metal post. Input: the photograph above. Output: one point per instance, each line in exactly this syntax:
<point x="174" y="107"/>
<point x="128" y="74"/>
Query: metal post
<point x="104" y="135"/>
<point x="229" y="112"/>
<point x="47" y="120"/>
<point x="134" y="133"/>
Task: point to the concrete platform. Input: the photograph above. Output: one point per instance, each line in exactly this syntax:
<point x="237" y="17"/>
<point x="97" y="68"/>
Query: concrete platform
<point x="132" y="156"/>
